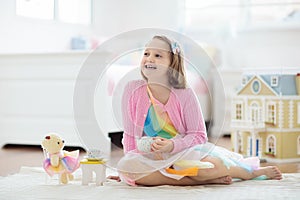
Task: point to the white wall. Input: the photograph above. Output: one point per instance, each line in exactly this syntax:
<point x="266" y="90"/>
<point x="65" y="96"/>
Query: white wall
<point x="263" y="48"/>
<point x="249" y="48"/>
<point x="116" y="16"/>
<point x="255" y="47"/>
<point x="266" y="47"/>
<point x="19" y="34"/>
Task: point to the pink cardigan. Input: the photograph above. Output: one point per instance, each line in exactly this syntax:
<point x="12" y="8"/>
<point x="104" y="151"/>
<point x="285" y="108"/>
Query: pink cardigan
<point x="182" y="107"/>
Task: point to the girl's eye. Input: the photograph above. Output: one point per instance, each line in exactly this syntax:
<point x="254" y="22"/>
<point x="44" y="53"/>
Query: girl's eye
<point x="146" y="54"/>
<point x="157" y="55"/>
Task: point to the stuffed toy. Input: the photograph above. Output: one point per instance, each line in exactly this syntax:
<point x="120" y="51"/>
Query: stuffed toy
<point x="59" y="161"/>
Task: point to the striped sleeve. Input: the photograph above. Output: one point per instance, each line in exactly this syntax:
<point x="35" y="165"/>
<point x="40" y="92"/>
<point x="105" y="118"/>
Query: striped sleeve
<point x="193" y="122"/>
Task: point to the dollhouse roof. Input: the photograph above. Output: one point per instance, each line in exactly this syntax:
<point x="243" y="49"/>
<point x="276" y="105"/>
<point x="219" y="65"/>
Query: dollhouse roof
<point x="286" y="83"/>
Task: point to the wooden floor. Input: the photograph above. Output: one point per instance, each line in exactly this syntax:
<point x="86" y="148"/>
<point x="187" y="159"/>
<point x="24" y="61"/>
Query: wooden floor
<point x="12" y="157"/>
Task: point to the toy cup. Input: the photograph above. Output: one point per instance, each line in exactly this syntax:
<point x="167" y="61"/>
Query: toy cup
<point x="144" y="144"/>
<point x="94" y="154"/>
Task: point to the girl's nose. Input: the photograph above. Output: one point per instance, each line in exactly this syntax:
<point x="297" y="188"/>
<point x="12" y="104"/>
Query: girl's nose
<point x="150" y="58"/>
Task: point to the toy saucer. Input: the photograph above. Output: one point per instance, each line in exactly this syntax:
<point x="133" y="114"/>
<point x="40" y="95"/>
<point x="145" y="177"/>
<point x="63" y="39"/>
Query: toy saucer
<point x="92" y="158"/>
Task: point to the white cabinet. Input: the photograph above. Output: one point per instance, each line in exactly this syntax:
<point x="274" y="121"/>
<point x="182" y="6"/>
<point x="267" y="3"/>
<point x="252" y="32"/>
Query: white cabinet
<point x="36" y="97"/>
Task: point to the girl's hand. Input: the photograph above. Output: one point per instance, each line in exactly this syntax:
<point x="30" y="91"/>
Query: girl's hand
<point x="162" y="145"/>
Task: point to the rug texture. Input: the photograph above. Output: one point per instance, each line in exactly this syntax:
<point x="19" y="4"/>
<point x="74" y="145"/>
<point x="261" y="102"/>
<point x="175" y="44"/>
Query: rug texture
<point x="33" y="183"/>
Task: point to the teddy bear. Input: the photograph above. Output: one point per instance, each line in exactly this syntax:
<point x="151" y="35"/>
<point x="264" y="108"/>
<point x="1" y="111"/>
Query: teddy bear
<point x="59" y="161"/>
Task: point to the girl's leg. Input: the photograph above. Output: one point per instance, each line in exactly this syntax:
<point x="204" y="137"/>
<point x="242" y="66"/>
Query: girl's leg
<point x="219" y="174"/>
<point x="272" y="172"/>
<point x="156" y="178"/>
<point x="220" y="170"/>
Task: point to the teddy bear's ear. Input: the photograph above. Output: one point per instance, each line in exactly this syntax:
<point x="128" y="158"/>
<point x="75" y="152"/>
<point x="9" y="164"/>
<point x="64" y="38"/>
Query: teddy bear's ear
<point x="47" y="137"/>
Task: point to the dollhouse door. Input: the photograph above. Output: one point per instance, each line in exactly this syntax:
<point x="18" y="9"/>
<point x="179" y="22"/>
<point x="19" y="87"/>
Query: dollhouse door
<point x="257" y="144"/>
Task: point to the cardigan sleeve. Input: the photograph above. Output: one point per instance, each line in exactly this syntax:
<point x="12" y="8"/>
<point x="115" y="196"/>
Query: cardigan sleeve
<point x="193" y="122"/>
<point x="128" y="140"/>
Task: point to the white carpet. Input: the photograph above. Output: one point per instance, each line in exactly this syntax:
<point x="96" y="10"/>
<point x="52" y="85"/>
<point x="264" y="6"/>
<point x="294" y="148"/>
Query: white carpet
<point x="31" y="183"/>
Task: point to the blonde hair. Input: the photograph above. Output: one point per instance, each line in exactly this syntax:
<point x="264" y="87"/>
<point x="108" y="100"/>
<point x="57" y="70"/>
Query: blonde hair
<point x="176" y="72"/>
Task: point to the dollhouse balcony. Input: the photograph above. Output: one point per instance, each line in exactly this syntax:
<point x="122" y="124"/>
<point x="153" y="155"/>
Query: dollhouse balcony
<point x="247" y="124"/>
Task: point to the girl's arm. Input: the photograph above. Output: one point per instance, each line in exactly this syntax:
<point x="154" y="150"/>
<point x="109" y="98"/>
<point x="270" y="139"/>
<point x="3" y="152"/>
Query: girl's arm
<point x="128" y="140"/>
<point x="193" y="122"/>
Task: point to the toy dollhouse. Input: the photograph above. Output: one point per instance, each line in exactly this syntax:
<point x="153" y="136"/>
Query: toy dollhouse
<point x="265" y="118"/>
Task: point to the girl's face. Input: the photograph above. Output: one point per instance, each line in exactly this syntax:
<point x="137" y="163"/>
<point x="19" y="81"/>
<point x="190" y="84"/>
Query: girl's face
<point x="156" y="60"/>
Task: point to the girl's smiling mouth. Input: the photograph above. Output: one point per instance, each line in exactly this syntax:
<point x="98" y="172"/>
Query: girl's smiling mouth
<point x="150" y="66"/>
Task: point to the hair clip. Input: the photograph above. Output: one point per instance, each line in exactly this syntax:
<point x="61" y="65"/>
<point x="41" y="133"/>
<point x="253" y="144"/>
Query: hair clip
<point x="175" y="48"/>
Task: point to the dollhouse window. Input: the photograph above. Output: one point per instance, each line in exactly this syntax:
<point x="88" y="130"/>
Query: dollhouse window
<point x="255" y="112"/>
<point x="238" y="111"/>
<point x="256" y="87"/>
<point x="271" y="145"/>
<point x="274" y="81"/>
<point x="244" y="80"/>
<point x="298" y="145"/>
<point x="271" y="113"/>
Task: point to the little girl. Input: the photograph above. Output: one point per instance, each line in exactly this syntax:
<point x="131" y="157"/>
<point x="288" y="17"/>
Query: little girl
<point x="165" y="140"/>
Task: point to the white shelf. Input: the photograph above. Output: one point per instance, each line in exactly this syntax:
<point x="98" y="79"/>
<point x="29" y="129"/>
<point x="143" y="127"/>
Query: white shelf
<point x="37" y="92"/>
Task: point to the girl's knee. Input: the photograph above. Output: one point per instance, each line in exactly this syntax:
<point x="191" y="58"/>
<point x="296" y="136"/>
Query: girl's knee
<point x="218" y="164"/>
<point x="213" y="160"/>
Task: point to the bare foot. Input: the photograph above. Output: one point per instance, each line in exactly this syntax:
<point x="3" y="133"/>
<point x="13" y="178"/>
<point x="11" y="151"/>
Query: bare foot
<point x="271" y="172"/>
<point x="222" y="180"/>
